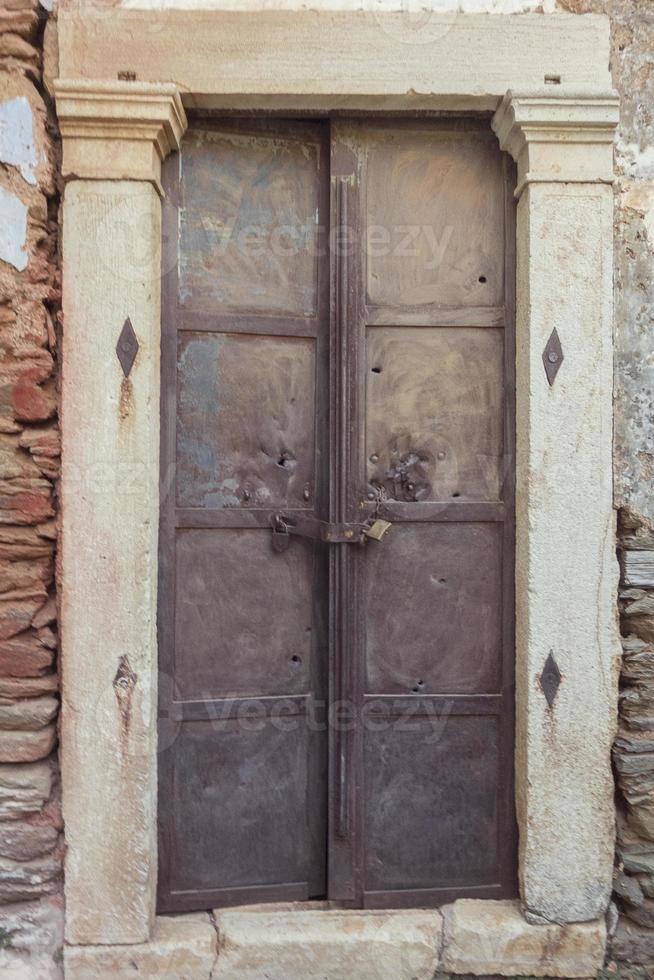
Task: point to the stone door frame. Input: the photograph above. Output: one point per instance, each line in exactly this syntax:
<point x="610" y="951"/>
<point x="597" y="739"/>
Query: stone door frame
<point x="545" y="79"/>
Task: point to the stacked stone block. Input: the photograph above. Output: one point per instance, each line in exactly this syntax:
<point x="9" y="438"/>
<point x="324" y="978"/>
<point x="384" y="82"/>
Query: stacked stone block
<point x="633" y="752"/>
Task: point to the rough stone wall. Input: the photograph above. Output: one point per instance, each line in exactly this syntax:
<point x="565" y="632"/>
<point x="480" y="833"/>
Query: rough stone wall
<point x="31" y="903"/>
<point x="633" y="752"/>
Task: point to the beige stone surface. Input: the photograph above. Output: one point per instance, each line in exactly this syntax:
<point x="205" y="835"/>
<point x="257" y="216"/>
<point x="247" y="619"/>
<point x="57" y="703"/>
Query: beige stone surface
<point x="109" y="492"/>
<point x="182" y="948"/>
<point x="330" y="58"/>
<point x="565" y="528"/>
<point x="483" y="937"/>
<point x="339" y="945"/>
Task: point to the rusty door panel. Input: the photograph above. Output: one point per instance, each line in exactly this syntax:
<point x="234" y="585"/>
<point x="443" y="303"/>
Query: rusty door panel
<point x="236" y="786"/>
<point x="245" y="421"/>
<point x="431" y="797"/>
<point x="434" y="412"/>
<point x="434" y="216"/>
<point x="231" y="640"/>
<point x="248" y="228"/>
<point x="433" y="610"/>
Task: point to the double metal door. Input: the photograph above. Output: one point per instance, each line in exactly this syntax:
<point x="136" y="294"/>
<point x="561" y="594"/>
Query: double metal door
<point x="336" y="562"/>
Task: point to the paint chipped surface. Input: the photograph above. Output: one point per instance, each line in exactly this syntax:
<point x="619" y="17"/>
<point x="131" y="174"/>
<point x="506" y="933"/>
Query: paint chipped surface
<point x="235" y="449"/>
<point x="13" y="230"/>
<point x="17" y="144"/>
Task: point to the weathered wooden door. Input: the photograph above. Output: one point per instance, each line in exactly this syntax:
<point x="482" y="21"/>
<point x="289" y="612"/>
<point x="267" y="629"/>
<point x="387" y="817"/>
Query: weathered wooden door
<point x="336" y="711"/>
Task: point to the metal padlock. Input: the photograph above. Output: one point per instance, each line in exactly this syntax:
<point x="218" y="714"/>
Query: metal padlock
<point x="377" y="529"/>
<point x="280" y="537"/>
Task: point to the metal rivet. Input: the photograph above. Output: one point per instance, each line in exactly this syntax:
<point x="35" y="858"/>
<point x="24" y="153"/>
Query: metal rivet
<point x="441" y="455"/>
<point x="374" y="458"/>
<point x="306" y="493"/>
<point x="552" y="357"/>
<point x="370" y="495"/>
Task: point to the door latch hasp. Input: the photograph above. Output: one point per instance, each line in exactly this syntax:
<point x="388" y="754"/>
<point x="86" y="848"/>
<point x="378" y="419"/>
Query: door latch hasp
<point x="330" y="533"/>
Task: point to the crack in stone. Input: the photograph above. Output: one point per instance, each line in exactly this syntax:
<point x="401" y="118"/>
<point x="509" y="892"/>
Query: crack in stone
<point x="440" y="943"/>
<point x="214" y="925"/>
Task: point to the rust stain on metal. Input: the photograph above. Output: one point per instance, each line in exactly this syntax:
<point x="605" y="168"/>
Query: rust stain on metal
<point x="123" y="684"/>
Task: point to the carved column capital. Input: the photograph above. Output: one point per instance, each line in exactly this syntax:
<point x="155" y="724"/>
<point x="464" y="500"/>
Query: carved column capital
<point x="118" y="130"/>
<point x="560" y="136"/>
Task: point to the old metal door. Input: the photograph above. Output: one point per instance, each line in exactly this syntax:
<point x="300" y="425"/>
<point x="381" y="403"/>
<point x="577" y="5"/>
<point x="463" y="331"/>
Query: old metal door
<point x="422" y="789"/>
<point x="336" y="712"/>
<point x="242" y="628"/>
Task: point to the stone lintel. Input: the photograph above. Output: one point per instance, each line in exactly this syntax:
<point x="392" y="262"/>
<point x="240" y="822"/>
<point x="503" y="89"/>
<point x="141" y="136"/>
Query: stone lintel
<point x="336" y="57"/>
<point x="118" y="130"/>
<point x="559" y="135"/>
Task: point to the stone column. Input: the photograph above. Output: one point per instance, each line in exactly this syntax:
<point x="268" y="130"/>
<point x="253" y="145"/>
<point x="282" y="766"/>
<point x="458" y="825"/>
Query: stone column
<point x="566" y="572"/>
<point x="115" y="136"/>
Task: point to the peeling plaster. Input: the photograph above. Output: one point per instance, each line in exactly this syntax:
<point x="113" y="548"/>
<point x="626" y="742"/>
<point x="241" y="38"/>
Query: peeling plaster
<point x="13" y="230"/>
<point x="636" y="162"/>
<point x="640" y="197"/>
<point x="17" y="145"/>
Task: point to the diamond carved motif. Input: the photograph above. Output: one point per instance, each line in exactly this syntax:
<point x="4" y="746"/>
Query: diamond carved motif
<point x="552" y="357"/>
<point x="127" y="347"/>
<point x="550" y="679"/>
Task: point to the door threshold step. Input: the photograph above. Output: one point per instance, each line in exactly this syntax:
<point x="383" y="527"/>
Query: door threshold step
<point x="308" y="941"/>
